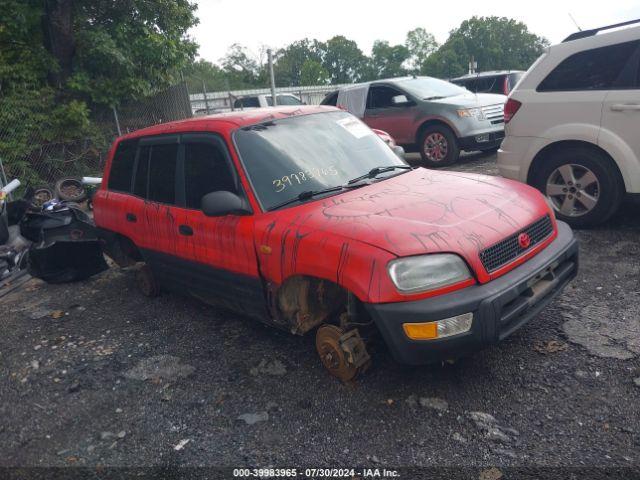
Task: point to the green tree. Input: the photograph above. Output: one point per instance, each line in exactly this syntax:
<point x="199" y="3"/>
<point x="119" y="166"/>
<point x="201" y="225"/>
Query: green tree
<point x="496" y="43"/>
<point x="61" y="59"/>
<point x="290" y="61"/>
<point x="343" y="60"/>
<point x="313" y="73"/>
<point x="387" y="60"/>
<point x="241" y="69"/>
<point x="420" y="45"/>
<point x="203" y="71"/>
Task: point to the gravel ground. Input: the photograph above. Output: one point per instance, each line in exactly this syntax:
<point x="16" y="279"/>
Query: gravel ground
<point x="96" y="374"/>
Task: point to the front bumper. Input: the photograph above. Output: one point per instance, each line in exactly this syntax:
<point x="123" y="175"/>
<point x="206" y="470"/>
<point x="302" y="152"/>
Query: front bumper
<point x="481" y="140"/>
<point x="499" y="307"/>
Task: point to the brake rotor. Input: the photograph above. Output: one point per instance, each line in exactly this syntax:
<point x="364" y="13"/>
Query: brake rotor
<point x="331" y="353"/>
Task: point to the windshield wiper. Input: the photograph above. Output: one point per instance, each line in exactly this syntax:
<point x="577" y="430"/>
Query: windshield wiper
<point x="436" y="97"/>
<point x="306" y="195"/>
<point x="374" y="172"/>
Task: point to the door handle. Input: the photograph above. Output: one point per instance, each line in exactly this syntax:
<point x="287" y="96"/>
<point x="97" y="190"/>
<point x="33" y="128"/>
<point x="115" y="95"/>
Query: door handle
<point x="620" y="107"/>
<point x="131" y="217"/>
<point x="185" y="230"/>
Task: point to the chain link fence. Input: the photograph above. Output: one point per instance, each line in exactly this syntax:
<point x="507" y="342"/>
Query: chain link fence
<point x="25" y="155"/>
<point x="203" y="103"/>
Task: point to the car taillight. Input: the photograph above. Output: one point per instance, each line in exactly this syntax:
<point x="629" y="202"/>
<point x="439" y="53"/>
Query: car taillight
<point x="510" y="109"/>
<point x="505" y="85"/>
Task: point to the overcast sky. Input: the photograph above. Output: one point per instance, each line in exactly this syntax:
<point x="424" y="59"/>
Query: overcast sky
<point x="275" y="23"/>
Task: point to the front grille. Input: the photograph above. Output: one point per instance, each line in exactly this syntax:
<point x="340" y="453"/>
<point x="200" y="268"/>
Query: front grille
<point x="509" y="249"/>
<point x="494" y="113"/>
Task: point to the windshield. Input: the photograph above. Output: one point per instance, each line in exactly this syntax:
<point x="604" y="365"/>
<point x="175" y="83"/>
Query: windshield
<point x="431" y="88"/>
<point x="283" y="100"/>
<point x="286" y="157"/>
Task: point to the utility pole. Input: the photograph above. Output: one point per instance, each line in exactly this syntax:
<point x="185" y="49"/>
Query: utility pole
<point x="473" y="65"/>
<point x="272" y="77"/>
<point x="206" y="100"/>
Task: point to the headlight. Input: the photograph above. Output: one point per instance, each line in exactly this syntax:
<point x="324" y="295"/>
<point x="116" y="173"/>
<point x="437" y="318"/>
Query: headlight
<point x="471" y="113"/>
<point x="427" y="272"/>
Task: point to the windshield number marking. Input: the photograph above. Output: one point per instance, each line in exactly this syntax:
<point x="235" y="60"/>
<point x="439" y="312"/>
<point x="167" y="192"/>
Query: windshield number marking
<point x="297" y="178"/>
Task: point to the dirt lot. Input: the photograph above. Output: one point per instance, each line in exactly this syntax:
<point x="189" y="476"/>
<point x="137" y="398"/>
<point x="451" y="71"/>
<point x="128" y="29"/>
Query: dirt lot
<point x="96" y="374"/>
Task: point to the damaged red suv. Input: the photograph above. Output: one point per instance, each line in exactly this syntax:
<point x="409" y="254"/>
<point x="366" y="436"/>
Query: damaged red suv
<point x="302" y="217"/>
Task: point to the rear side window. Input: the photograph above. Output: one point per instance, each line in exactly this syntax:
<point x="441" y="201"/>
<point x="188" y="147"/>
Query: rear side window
<point x="122" y="166"/>
<point x="205" y="171"/>
<point x="142" y="172"/>
<point x="596" y="69"/>
<point x="249" y="102"/>
<point x="162" y="173"/>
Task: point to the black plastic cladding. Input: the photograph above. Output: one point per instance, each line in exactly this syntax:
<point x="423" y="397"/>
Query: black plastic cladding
<point x="509" y="249"/>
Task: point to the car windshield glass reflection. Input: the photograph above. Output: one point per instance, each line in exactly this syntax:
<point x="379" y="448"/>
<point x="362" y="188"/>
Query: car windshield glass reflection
<point x="287" y="157"/>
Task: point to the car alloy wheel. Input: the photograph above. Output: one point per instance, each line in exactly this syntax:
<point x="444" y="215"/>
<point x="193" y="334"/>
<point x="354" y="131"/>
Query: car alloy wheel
<point x="573" y="190"/>
<point x="436" y="147"/>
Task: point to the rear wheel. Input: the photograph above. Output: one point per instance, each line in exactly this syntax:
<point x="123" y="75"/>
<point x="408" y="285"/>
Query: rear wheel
<point x="439" y="146"/>
<point x="583" y="185"/>
<point x="147" y="282"/>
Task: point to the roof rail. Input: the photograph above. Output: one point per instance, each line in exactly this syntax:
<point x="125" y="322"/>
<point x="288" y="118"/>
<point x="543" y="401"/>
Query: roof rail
<point x="593" y="31"/>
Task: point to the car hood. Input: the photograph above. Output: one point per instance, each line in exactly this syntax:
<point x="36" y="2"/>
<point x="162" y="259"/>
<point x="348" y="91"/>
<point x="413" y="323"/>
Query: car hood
<point x="427" y="211"/>
<point x="469" y="100"/>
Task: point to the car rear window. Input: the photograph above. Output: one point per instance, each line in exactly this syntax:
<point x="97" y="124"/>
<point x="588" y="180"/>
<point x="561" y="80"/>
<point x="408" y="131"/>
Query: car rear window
<point x="122" y="166"/>
<point x="596" y="69"/>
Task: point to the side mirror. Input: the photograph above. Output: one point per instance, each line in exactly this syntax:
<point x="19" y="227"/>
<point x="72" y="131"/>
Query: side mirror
<point x="399" y="151"/>
<point x="219" y="204"/>
<point x="400" y="100"/>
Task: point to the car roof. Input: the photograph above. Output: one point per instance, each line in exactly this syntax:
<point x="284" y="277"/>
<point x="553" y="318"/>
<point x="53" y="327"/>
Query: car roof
<point x="227" y="121"/>
<point x="490" y="73"/>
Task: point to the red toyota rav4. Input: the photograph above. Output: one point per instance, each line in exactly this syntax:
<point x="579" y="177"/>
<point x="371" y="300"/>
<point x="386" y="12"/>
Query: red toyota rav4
<point x="302" y="217"/>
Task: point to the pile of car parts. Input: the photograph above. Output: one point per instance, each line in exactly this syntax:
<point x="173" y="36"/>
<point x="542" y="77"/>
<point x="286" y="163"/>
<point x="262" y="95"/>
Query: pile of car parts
<point x="65" y="244"/>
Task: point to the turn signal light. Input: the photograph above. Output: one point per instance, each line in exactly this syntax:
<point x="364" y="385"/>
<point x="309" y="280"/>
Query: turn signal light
<point x="439" y="329"/>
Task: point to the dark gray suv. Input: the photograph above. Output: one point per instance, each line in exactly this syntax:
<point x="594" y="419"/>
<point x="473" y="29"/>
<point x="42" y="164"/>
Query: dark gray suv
<point x="425" y="114"/>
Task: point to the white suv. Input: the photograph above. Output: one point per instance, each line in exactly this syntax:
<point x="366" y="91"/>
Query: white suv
<point x="573" y="124"/>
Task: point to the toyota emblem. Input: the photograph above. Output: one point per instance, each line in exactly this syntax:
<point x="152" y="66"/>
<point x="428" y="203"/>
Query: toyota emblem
<point x="524" y="240"/>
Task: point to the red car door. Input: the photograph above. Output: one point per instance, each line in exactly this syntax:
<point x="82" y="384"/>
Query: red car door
<point x="125" y="214"/>
<point x="212" y="258"/>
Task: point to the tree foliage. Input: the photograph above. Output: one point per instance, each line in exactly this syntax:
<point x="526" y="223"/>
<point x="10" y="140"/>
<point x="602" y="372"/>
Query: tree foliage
<point x="496" y="43"/>
<point x="62" y="59"/>
<point x="387" y="60"/>
<point x="420" y="45"/>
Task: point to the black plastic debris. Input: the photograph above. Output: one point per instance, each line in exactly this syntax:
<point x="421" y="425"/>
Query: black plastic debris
<point x="65" y="246"/>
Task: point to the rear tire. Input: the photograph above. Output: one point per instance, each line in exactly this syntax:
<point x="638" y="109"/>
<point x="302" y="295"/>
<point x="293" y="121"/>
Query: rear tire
<point x="583" y="184"/>
<point x="438" y="146"/>
<point x="147" y="282"/>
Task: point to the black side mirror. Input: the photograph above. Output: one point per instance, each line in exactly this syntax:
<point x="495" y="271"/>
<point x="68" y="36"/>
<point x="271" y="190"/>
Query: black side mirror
<point x="219" y="204"/>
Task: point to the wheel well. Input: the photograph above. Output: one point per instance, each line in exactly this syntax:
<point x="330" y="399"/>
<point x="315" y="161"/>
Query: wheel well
<point x="430" y="123"/>
<point x="562" y="145"/>
<point x="304" y="302"/>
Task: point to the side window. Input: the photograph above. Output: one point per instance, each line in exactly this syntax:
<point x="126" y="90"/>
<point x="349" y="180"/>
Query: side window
<point x="380" y="97"/>
<point x="142" y="172"/>
<point x="205" y="171"/>
<point x="122" y="166"/>
<point x="246" y="102"/>
<point x="331" y="99"/>
<point x="595" y="69"/>
<point x="162" y="173"/>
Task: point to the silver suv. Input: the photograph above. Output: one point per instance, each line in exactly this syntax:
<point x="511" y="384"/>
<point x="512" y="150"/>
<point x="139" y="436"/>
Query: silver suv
<point x="428" y="115"/>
